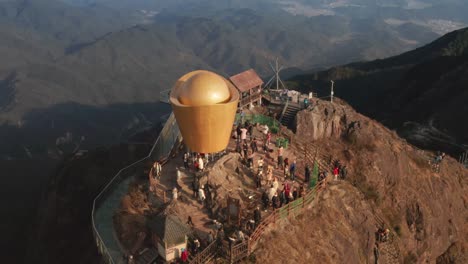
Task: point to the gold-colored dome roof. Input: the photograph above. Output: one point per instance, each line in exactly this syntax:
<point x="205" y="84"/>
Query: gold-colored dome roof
<point x="203" y="88"/>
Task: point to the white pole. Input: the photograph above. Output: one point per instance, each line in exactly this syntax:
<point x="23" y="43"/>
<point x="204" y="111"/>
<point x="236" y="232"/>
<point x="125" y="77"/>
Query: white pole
<point x="332" y="92"/>
<point x="277" y="75"/>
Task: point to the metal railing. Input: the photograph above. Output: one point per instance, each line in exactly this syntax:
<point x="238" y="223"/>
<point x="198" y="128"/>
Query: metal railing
<point x="292" y="209"/>
<point x="164" y="96"/>
<point x="284" y="111"/>
<point x="108" y="199"/>
<point x="278" y="97"/>
<point x="250" y="98"/>
<point x="463" y="159"/>
<point x="208" y="253"/>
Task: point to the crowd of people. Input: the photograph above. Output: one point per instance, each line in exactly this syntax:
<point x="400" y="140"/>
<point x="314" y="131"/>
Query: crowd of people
<point x="277" y="181"/>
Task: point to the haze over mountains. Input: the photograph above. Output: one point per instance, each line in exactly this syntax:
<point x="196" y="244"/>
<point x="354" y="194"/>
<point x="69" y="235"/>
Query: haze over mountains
<point x="94" y="54"/>
<point x="422" y="93"/>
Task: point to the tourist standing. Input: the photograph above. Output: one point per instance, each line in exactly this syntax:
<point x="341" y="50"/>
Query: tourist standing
<point x="307" y="174"/>
<point x="184" y="255"/>
<point x="258" y="179"/>
<point x="295" y="193"/>
<point x="243" y="134"/>
<point x="189" y="221"/>
<point x="245" y="148"/>
<point x="157" y="170"/>
<point x="275" y="183"/>
<point x="268" y="139"/>
<point x="201" y="194"/>
<point x="275" y="201"/>
<point x="280" y="157"/>
<point x="269" y="174"/>
<point x="178" y="178"/>
<point x="271" y="192"/>
<point x="287" y="191"/>
<point x="253" y="145"/>
<point x="201" y="164"/>
<point x="239" y="132"/>
<point x="186" y="160"/>
<point x="336" y="171"/>
<point x="292" y="170"/>
<point x="265" y="200"/>
<point x="210" y="237"/>
<point x="257" y="216"/>
<point x="260" y="164"/>
<point x="195" y="186"/>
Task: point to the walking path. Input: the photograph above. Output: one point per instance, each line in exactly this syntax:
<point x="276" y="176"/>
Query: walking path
<point x="187" y="205"/>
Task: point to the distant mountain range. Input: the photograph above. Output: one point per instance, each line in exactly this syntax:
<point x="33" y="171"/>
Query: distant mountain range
<point x="422" y="93"/>
<point x="98" y="53"/>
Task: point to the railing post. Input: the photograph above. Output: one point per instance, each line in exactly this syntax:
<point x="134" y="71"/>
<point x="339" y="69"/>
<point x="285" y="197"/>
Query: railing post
<point x="230" y="254"/>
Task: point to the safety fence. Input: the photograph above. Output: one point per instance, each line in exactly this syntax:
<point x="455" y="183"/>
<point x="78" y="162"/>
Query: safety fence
<point x="249" y="99"/>
<point x="463" y="159"/>
<point x="207" y="254"/>
<point x="234" y="253"/>
<point x="280" y="98"/>
<point x="108" y="200"/>
<point x="290" y="210"/>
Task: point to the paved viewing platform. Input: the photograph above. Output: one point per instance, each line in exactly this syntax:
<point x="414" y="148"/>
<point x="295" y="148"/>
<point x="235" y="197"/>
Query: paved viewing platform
<point x="227" y="173"/>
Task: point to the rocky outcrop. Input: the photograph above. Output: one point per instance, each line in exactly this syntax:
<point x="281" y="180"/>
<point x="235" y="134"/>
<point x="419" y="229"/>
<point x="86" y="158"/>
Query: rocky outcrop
<point x="426" y="211"/>
<point x="456" y="253"/>
<point x="323" y="120"/>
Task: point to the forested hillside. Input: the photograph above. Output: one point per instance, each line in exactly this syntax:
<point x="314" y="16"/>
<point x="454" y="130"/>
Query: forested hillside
<point x="423" y="93"/>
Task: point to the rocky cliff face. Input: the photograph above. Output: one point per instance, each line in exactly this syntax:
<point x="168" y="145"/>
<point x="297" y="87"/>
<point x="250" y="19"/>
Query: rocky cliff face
<point x="321" y="121"/>
<point x="390" y="182"/>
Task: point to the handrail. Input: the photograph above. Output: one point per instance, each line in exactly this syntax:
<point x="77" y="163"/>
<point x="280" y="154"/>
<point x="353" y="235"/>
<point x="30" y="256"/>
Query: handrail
<point x="170" y="125"/>
<point x="284" y="110"/>
<point x="306" y="199"/>
<point x="202" y="257"/>
<point x="300" y="203"/>
<point x="94" y="203"/>
<point x="463" y="159"/>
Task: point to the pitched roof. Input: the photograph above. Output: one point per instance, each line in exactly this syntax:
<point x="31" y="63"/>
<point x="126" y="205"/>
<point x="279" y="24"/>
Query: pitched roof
<point x="170" y="228"/>
<point x="247" y="80"/>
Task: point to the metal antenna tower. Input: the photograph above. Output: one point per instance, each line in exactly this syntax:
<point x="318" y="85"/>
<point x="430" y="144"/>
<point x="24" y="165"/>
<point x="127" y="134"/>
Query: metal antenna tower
<point x="276" y="77"/>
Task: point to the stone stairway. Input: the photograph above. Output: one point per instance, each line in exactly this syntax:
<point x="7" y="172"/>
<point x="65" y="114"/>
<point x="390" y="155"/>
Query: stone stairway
<point x="289" y="115"/>
<point x="148" y="256"/>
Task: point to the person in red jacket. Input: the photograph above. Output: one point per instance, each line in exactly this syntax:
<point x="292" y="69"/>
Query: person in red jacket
<point x="184" y="255"/>
<point x="336" y="171"/>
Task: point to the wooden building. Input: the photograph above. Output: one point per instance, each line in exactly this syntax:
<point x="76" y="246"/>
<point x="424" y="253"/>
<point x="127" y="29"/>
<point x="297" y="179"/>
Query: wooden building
<point x="169" y="235"/>
<point x="249" y="85"/>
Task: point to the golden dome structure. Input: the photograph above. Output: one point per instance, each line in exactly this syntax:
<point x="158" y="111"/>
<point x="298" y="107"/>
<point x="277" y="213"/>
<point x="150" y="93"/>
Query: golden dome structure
<point x="203" y="88"/>
<point x="204" y="104"/>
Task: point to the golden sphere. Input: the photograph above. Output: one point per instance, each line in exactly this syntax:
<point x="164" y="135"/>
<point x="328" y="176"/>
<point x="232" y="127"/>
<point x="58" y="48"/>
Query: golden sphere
<point x="203" y="88"/>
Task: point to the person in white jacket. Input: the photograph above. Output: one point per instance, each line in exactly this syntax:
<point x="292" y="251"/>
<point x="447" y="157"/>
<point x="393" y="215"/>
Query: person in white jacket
<point x="201" y="194"/>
